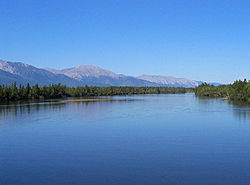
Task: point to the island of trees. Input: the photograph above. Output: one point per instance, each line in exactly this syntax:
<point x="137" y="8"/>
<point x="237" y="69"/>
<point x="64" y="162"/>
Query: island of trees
<point x="238" y="91"/>
<point x="20" y="92"/>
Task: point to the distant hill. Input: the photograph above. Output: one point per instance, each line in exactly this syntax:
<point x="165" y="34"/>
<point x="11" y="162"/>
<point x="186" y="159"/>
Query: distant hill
<point x="83" y="71"/>
<point x="21" y="73"/>
<point x="92" y="75"/>
<point x="7" y="78"/>
<point x="169" y="81"/>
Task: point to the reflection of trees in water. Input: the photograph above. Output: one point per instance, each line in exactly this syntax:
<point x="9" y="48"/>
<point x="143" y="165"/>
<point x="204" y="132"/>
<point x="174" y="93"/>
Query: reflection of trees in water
<point x="92" y="109"/>
<point x="242" y="114"/>
<point x="13" y="111"/>
<point x="207" y="100"/>
<point x="27" y="110"/>
<point x="241" y="110"/>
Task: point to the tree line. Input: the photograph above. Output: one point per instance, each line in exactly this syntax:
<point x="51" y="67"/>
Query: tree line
<point x="21" y="92"/>
<point x="238" y="91"/>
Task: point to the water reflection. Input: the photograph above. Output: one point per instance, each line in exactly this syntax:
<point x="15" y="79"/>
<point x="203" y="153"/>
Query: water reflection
<point x="154" y="140"/>
<point x="92" y="109"/>
<point x="6" y="110"/>
<point x="207" y="100"/>
<point x="80" y="110"/>
<point x="240" y="110"/>
<point x="88" y="110"/>
<point x="19" y="111"/>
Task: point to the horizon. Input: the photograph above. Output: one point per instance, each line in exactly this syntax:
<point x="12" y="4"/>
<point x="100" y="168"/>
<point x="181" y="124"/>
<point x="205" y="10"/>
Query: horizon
<point x="202" y="41"/>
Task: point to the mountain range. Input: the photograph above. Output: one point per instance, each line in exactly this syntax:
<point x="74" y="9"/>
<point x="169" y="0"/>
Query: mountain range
<point x="82" y="75"/>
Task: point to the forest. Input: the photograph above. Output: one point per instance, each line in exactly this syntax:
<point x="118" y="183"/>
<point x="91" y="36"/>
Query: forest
<point x="238" y="91"/>
<point x="14" y="92"/>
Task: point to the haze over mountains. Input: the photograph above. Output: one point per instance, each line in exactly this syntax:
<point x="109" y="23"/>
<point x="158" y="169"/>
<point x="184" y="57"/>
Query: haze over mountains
<point x="169" y="80"/>
<point x="21" y="73"/>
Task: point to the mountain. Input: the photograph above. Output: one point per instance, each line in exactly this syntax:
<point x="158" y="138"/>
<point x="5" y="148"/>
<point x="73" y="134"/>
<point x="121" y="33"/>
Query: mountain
<point x="83" y="71"/>
<point x="21" y="73"/>
<point x="169" y="81"/>
<point x="92" y="75"/>
<point x="216" y="83"/>
<point x="8" y="78"/>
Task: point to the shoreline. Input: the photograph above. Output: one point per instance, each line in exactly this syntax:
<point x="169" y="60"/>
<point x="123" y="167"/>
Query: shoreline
<point x="87" y="100"/>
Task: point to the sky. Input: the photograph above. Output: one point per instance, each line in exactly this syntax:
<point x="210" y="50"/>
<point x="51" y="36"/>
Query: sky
<point x="200" y="40"/>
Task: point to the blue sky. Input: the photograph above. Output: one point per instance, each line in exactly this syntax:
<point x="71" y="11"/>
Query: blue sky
<point x="200" y="40"/>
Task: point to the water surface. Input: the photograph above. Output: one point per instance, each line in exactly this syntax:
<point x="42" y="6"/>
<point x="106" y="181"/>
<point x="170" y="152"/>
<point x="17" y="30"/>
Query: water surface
<point x="151" y="139"/>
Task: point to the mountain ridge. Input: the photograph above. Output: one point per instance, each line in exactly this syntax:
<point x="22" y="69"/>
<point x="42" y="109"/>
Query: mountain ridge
<point x="82" y="75"/>
<point x="169" y="80"/>
<point x="81" y="71"/>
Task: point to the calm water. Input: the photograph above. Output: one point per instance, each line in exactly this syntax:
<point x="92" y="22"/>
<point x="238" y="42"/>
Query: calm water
<point x="152" y="139"/>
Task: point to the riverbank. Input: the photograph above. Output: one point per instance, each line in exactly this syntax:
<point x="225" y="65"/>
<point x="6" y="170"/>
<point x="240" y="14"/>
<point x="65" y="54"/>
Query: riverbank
<point x="57" y="91"/>
<point x="87" y="100"/>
